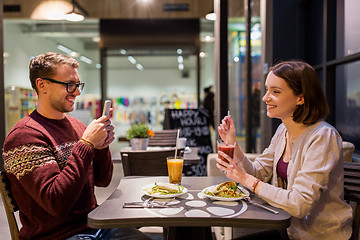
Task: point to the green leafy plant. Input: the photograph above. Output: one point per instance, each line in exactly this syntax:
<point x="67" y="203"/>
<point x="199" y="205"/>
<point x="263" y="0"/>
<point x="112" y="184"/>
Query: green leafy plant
<point x="139" y="130"/>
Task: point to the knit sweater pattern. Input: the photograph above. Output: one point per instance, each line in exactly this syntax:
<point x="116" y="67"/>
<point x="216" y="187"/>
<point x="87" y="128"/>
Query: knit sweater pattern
<point x="53" y="175"/>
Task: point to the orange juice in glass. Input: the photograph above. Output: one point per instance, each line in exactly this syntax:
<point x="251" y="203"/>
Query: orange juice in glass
<point x="175" y="167"/>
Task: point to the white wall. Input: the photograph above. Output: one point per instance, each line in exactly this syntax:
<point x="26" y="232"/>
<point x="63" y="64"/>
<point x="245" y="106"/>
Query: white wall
<point x="121" y="83"/>
<point x="149" y="82"/>
<point x="21" y="47"/>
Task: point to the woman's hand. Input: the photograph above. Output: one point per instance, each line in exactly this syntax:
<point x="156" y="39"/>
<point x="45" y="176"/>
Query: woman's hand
<point x="233" y="170"/>
<point x="231" y="138"/>
<point x="231" y="132"/>
<point x="237" y="173"/>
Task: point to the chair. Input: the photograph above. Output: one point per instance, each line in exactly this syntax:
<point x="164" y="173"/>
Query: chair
<point x="348" y="149"/>
<point x="164" y="138"/>
<point x="9" y="204"/>
<point x="146" y="163"/>
<point x="352" y="193"/>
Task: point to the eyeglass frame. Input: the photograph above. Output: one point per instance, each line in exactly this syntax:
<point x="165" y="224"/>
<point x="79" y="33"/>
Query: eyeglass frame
<point x="77" y="85"/>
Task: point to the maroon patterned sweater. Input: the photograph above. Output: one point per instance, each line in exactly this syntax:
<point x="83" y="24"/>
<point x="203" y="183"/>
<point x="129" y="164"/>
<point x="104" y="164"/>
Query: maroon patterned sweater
<point x="53" y="175"/>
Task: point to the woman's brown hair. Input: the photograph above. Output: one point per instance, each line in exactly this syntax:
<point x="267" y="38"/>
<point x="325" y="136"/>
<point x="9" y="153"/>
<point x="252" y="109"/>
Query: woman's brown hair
<point x="303" y="79"/>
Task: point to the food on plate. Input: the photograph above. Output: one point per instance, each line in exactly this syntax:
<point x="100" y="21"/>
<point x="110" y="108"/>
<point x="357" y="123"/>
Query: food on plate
<point x="226" y="190"/>
<point x="164" y="189"/>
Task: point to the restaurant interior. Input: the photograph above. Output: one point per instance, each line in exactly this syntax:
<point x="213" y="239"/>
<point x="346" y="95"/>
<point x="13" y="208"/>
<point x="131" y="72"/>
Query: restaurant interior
<point x="149" y="56"/>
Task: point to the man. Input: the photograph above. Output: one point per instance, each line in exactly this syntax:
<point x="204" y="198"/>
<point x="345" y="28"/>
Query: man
<point x="54" y="161"/>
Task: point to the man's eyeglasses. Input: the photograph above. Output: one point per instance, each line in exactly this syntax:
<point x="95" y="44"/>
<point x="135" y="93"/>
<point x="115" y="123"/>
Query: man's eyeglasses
<point x="70" y="86"/>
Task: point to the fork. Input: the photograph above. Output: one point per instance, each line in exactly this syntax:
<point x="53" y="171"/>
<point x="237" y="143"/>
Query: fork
<point x="168" y="202"/>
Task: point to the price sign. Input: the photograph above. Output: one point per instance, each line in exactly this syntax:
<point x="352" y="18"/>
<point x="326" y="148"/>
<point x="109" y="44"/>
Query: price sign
<point x="193" y="126"/>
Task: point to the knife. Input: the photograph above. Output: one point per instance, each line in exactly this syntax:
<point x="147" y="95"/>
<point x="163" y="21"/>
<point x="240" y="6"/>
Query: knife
<point x="261" y="206"/>
<point x="143" y="205"/>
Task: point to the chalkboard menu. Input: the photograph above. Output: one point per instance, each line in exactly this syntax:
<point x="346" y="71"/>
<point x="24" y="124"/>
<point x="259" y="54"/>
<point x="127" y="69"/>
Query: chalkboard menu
<point x="193" y="126"/>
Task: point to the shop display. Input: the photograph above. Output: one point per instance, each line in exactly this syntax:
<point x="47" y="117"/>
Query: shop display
<point x="19" y="102"/>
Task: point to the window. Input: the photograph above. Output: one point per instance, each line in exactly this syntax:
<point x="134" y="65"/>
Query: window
<point x="347" y="30"/>
<point x="348" y="102"/>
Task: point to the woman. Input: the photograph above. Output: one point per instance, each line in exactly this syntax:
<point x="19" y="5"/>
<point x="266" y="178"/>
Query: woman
<point x="302" y="169"/>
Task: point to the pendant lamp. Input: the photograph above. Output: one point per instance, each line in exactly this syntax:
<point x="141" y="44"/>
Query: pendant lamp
<point x="77" y="13"/>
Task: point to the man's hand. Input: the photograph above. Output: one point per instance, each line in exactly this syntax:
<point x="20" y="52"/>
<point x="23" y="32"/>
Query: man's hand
<point x="100" y="132"/>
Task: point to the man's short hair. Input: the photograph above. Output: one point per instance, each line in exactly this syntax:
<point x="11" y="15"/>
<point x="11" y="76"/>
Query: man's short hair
<point x="45" y="65"/>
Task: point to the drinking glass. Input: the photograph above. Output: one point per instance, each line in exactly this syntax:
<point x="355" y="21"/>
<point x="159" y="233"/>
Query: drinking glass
<point x="226" y="148"/>
<point x="175" y="168"/>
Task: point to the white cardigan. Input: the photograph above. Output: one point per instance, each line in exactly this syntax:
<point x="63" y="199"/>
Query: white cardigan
<point x="315" y="190"/>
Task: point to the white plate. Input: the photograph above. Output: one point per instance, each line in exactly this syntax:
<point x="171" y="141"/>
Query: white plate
<point x="158" y="195"/>
<point x="224" y="198"/>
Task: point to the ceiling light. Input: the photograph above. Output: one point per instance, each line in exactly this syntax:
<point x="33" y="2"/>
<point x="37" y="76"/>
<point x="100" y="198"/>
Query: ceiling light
<point x="207" y="38"/>
<point x="77" y="13"/>
<point x="51" y="10"/>
<point x="64" y="49"/>
<point x="180" y="59"/>
<point x="74" y="54"/>
<point x="181" y="66"/>
<point x="74" y="17"/>
<point x="131" y="59"/>
<point x="211" y="16"/>
<point x="203" y="54"/>
<point x="139" y="66"/>
<point x="67" y="50"/>
<point x="96" y="39"/>
<point x="86" y="60"/>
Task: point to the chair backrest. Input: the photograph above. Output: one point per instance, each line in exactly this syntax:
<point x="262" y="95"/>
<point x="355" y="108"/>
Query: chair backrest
<point x="164" y="138"/>
<point x="348" y="149"/>
<point x="9" y="204"/>
<point x="352" y="193"/>
<point x="146" y="163"/>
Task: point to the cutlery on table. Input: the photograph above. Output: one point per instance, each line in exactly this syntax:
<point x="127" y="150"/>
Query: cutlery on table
<point x="142" y="205"/>
<point x="261" y="206"/>
<point x="148" y="204"/>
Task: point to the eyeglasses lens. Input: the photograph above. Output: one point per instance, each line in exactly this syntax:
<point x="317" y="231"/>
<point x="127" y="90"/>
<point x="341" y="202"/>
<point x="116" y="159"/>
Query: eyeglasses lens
<point x="71" y="87"/>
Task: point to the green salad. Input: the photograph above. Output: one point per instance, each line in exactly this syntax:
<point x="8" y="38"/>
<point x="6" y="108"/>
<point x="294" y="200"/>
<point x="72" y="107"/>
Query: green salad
<point x="225" y="190"/>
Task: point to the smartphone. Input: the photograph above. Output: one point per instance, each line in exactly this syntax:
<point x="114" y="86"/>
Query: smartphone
<point x="106" y="110"/>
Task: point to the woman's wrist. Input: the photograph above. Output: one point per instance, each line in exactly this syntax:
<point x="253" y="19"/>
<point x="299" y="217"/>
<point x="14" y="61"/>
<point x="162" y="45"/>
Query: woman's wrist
<point x="231" y="141"/>
<point x="241" y="159"/>
<point x="252" y="183"/>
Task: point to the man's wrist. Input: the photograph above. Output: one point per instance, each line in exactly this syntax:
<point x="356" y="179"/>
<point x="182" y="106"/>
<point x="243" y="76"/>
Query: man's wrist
<point x="86" y="142"/>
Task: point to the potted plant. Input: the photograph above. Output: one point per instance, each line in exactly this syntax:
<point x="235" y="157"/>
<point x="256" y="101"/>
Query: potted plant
<point x="139" y="134"/>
